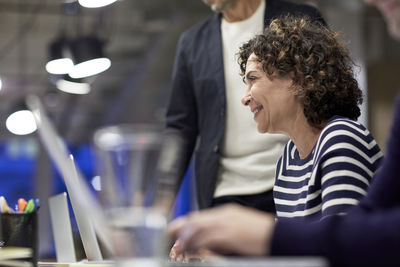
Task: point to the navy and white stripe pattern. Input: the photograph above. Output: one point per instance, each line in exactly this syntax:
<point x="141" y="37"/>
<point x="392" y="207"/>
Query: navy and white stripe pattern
<point x="332" y="178"/>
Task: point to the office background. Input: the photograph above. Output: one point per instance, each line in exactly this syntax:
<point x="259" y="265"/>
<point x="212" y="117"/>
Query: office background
<point x="139" y="37"/>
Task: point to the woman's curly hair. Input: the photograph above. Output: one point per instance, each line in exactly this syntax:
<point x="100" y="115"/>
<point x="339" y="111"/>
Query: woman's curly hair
<point x="320" y="66"/>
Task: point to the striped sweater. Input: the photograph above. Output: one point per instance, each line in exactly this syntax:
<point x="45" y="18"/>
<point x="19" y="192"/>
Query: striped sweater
<point x="332" y="178"/>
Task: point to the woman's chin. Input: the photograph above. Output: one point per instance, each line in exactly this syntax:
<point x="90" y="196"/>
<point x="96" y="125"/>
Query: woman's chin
<point x="261" y="129"/>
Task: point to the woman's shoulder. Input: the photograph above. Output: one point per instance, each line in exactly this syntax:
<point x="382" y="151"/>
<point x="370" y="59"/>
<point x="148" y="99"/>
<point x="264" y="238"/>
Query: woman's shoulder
<point x="343" y="133"/>
<point x="337" y="126"/>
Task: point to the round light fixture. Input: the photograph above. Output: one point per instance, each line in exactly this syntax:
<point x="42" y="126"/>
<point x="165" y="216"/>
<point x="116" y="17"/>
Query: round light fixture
<point x="88" y="57"/>
<point x="90" y="67"/>
<point x="21" y="122"/>
<point x="95" y="3"/>
<point x="73" y="86"/>
<point x="60" y="61"/>
<point x="59" y="66"/>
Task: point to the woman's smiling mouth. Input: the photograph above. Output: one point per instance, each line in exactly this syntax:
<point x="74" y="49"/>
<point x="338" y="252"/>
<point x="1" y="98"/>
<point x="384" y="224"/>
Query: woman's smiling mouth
<point x="256" y="110"/>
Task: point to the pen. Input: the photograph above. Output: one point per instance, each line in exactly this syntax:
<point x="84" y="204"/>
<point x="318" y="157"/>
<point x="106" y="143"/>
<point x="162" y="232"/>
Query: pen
<point x="30" y="206"/>
<point x="22" y="204"/>
<point x="37" y="204"/>
<point x="3" y="205"/>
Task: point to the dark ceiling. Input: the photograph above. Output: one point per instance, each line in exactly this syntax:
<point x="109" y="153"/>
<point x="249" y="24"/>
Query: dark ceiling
<point x="140" y="39"/>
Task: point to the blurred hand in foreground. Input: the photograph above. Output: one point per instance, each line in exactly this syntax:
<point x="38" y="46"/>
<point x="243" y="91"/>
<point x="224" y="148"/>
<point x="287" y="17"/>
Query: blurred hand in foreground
<point x="229" y="229"/>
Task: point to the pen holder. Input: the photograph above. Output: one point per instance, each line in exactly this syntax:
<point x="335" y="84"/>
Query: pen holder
<point x="20" y="230"/>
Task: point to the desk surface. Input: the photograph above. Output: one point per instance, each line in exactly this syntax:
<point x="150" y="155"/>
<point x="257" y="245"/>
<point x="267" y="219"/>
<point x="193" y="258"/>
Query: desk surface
<point x="256" y="262"/>
<point x="220" y="262"/>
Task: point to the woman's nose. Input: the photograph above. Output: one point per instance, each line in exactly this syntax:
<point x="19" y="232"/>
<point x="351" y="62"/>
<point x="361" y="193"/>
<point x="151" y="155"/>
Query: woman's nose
<point x="246" y="99"/>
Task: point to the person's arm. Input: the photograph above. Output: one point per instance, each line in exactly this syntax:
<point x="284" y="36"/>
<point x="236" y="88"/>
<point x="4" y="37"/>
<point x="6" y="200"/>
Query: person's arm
<point x="385" y="187"/>
<point x="364" y="238"/>
<point x="349" y="158"/>
<point x="181" y="127"/>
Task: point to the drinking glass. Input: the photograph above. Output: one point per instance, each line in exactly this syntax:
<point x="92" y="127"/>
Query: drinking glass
<point x="129" y="160"/>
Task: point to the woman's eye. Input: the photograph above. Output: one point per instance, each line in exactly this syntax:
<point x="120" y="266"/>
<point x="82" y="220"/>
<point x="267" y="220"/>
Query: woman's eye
<point x="249" y="79"/>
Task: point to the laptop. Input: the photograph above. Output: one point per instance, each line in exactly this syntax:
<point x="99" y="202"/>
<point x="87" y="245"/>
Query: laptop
<point x="63" y="238"/>
<point x="61" y="226"/>
<point x="90" y="220"/>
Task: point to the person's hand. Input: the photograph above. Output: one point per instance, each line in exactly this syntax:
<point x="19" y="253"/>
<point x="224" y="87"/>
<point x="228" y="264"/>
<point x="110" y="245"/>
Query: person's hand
<point x="177" y="253"/>
<point x="229" y="229"/>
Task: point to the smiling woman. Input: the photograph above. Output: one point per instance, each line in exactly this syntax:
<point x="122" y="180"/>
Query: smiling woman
<point x="313" y="58"/>
<point x="266" y="98"/>
<point x="300" y="83"/>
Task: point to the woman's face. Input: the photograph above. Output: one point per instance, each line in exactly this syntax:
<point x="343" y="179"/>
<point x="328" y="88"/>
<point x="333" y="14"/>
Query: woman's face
<point x="271" y="100"/>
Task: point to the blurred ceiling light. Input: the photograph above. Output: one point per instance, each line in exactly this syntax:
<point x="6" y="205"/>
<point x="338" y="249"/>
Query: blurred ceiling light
<point x="88" y="57"/>
<point x="21" y="122"/>
<point x="95" y="3"/>
<point x="73" y="86"/>
<point x="1" y="84"/>
<point x="60" y="62"/>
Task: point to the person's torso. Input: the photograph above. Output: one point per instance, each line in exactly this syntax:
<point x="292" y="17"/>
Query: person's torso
<point x="345" y="158"/>
<point x="248" y="158"/>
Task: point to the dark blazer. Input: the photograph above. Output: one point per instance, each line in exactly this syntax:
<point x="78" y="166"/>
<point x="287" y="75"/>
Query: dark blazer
<point x="197" y="102"/>
<point x="369" y="235"/>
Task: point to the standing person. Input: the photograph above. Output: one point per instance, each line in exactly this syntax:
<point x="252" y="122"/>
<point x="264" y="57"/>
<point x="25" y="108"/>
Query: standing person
<point x="233" y="162"/>
<point x="368" y="236"/>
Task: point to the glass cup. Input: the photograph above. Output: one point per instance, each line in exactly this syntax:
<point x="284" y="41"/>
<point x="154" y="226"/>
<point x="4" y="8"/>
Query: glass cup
<point x="129" y="160"/>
